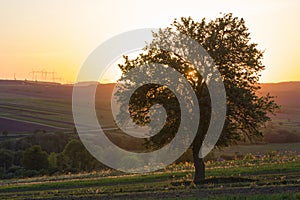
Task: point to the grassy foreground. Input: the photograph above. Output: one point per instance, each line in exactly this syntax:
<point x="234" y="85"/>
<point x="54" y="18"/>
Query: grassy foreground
<point x="266" y="177"/>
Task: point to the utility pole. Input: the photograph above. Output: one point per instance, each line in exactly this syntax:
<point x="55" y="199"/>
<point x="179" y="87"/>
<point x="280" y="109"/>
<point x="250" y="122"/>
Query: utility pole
<point x="46" y="73"/>
<point x="53" y="75"/>
<point x="33" y="75"/>
<point x="43" y="75"/>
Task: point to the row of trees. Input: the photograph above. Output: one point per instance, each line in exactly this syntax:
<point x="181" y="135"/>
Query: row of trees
<point x="35" y="161"/>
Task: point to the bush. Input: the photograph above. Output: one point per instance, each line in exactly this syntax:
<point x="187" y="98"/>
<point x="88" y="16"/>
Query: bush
<point x="14" y="168"/>
<point x="9" y="175"/>
<point x="18" y="155"/>
<point x="35" y="158"/>
<point x="52" y="142"/>
<point x="20" y="173"/>
<point x="6" y="159"/>
<point x="30" y="173"/>
<point x="52" y="160"/>
<point x="76" y="158"/>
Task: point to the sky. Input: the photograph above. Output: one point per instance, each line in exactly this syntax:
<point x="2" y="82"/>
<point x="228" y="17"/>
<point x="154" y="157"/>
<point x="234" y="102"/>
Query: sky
<point x="58" y="35"/>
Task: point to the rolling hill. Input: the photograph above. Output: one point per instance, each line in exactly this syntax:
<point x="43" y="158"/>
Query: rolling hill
<point x="27" y="106"/>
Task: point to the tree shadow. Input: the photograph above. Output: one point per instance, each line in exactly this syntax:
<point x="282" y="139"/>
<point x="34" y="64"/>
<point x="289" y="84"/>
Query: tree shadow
<point x="215" y="180"/>
<point x="227" y="180"/>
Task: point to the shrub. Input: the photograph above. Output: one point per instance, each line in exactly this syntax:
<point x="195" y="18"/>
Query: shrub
<point x="31" y="173"/>
<point x="35" y="158"/>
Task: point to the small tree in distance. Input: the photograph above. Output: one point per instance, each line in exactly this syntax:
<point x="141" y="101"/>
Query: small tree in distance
<point x="78" y="158"/>
<point x="35" y="158"/>
<point x="6" y="159"/>
<point x="227" y="40"/>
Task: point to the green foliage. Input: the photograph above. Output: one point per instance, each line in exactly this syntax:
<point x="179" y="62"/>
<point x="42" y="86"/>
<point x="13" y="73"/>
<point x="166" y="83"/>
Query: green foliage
<point x="17" y="157"/>
<point x="77" y="158"/>
<point x="52" y="160"/>
<point x="35" y="158"/>
<point x="61" y="162"/>
<point x="227" y="40"/>
<point x="267" y="178"/>
<point x="6" y="160"/>
<point x="31" y="173"/>
<point x="52" y="142"/>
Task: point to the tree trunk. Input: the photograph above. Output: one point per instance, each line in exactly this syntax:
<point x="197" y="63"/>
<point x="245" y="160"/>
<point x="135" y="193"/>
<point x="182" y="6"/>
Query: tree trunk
<point x="199" y="168"/>
<point x="205" y="115"/>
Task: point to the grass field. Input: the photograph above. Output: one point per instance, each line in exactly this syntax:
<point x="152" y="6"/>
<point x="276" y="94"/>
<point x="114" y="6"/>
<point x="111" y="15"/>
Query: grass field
<point x="268" y="177"/>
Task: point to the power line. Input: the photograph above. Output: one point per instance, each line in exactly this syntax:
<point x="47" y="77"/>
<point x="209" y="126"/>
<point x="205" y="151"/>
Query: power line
<point x="43" y="75"/>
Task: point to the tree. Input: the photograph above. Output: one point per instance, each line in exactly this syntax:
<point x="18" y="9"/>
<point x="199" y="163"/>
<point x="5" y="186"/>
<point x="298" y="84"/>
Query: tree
<point x="227" y="41"/>
<point x="6" y="159"/>
<point x="78" y="158"/>
<point x="35" y="158"/>
<point x="52" y="158"/>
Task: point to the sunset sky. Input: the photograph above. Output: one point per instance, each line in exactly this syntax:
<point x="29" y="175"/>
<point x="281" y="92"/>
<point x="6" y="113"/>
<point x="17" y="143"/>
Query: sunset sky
<point x="58" y="35"/>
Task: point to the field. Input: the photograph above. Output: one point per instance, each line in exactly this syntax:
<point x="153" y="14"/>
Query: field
<point x="271" y="176"/>
<point x="285" y="125"/>
<point x="26" y="107"/>
<point x="269" y="169"/>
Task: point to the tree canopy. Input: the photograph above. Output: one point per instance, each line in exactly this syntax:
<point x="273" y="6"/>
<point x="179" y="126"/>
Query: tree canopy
<point x="77" y="157"/>
<point x="35" y="158"/>
<point x="227" y="40"/>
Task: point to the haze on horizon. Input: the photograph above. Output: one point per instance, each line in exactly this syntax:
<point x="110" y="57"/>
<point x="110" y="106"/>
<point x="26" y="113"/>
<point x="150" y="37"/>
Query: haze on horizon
<point x="57" y="36"/>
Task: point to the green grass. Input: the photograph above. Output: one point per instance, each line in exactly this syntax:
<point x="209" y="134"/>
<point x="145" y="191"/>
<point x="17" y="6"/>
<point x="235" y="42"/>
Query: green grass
<point x="274" y="175"/>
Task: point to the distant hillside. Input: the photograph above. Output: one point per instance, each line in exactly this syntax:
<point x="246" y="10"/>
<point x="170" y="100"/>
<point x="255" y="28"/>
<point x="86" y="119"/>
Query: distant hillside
<point x="285" y="125"/>
<point x="26" y="106"/>
<point x="287" y="93"/>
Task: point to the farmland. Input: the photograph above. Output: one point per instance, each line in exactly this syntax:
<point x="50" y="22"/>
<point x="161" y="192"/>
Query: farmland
<point x="29" y="106"/>
<point x="273" y="175"/>
<point x="268" y="169"/>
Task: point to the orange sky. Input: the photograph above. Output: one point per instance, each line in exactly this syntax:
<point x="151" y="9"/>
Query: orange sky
<point x="58" y="35"/>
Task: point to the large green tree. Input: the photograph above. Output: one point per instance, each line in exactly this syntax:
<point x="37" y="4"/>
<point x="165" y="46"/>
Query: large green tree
<point x="227" y="41"/>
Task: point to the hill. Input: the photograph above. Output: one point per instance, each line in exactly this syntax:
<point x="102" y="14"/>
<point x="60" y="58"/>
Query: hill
<point x="27" y="106"/>
<point x="287" y="93"/>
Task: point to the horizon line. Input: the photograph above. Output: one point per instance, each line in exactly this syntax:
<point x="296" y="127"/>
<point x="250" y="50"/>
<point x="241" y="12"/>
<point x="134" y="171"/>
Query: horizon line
<point x="72" y="83"/>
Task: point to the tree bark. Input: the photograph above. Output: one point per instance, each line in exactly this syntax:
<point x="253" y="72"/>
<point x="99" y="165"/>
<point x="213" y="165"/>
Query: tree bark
<point x="199" y="176"/>
<point x="205" y="113"/>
